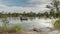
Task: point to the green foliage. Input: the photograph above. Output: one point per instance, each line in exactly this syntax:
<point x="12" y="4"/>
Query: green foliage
<point x="55" y="4"/>
<point x="54" y="8"/>
<point x="1" y="29"/>
<point x="57" y="24"/>
<point x="17" y="27"/>
<point x="11" y="28"/>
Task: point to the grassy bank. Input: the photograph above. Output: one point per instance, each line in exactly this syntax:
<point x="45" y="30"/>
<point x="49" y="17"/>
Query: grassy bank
<point x="15" y="28"/>
<point x="57" y="24"/>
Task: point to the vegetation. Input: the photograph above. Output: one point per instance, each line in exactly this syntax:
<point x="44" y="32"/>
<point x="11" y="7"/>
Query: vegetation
<point x="55" y="12"/>
<point x="16" y="28"/>
<point x="32" y="14"/>
<point x="6" y="28"/>
<point x="57" y="24"/>
<point x="4" y="24"/>
<point x="54" y="8"/>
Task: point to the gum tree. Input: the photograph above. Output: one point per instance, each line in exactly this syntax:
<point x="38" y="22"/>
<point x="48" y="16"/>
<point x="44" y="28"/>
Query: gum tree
<point x="54" y="7"/>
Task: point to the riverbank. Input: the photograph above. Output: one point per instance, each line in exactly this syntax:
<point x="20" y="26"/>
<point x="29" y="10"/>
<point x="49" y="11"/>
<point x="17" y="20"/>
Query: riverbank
<point x="24" y="32"/>
<point x="35" y="32"/>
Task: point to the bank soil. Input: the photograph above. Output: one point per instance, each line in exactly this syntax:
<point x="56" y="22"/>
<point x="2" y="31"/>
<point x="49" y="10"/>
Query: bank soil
<point x="23" y="32"/>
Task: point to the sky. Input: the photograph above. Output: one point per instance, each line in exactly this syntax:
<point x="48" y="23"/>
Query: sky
<point x="20" y="6"/>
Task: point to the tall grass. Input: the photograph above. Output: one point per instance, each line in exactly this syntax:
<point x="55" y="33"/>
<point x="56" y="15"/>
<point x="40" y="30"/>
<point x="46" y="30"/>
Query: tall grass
<point x="57" y="24"/>
<point x="16" y="28"/>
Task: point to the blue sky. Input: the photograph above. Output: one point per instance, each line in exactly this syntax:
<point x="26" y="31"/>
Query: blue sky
<point x="23" y="5"/>
<point x="22" y="2"/>
<point x="15" y="2"/>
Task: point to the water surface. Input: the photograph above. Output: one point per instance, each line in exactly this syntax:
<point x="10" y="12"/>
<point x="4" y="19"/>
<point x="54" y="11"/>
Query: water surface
<point x="32" y="22"/>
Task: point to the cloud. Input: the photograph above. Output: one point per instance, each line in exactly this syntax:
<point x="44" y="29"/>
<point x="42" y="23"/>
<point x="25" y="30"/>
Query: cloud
<point x="37" y="6"/>
<point x="7" y="9"/>
<point x="40" y="1"/>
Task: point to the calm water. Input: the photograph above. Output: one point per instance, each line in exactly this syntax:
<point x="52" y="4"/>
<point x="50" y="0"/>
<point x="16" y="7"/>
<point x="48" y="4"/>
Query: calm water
<point x="31" y="22"/>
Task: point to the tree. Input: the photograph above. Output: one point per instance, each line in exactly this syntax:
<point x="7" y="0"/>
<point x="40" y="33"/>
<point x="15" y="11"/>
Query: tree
<point x="46" y="14"/>
<point x="54" y="6"/>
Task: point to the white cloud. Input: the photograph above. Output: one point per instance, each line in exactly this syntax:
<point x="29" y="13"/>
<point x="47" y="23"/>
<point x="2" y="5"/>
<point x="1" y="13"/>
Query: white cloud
<point x="40" y="1"/>
<point x="37" y="8"/>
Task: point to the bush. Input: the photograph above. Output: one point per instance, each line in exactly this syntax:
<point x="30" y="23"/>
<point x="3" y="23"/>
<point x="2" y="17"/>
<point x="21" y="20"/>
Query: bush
<point x="1" y="29"/>
<point x="57" y="24"/>
<point x="17" y="27"/>
<point x="12" y="28"/>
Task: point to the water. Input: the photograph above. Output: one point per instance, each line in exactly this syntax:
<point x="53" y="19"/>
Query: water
<point x="31" y="23"/>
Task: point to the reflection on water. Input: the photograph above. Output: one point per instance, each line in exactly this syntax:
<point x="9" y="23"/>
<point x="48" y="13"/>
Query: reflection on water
<point x="31" y="22"/>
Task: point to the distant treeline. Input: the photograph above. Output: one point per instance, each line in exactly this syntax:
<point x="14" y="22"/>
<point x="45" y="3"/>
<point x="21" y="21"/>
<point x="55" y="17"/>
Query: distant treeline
<point x="32" y="14"/>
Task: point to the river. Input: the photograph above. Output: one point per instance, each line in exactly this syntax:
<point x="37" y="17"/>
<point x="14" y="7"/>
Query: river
<point x="31" y="22"/>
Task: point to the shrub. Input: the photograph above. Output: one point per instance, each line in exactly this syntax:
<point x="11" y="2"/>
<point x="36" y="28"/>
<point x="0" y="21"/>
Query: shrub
<point x="57" y="24"/>
<point x="11" y="28"/>
<point x="17" y="27"/>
